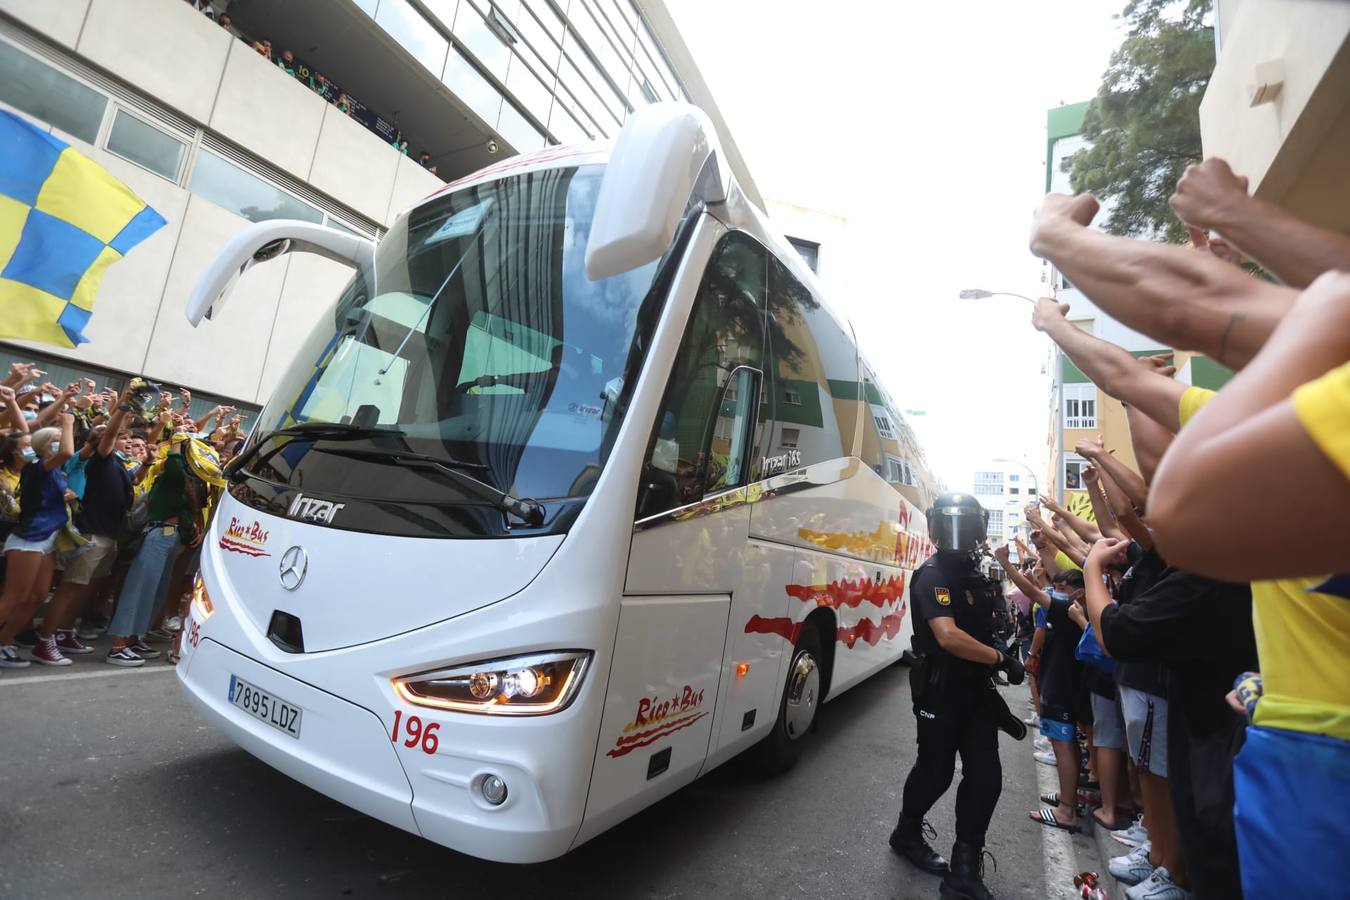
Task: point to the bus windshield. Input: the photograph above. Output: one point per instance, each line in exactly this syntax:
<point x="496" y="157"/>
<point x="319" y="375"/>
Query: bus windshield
<point x="475" y="339"/>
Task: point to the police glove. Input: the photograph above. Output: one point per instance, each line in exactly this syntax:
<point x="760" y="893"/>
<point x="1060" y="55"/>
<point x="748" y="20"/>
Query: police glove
<point x="1013" y="669"/>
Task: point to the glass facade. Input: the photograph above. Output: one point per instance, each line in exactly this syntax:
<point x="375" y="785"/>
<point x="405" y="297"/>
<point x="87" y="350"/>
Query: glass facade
<point x="538" y="72"/>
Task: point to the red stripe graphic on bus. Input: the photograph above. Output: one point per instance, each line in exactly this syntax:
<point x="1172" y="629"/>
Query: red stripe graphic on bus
<point x="872" y="633"/>
<point x="627" y="744"/>
<point x="842" y="594"/>
<point x="850" y="594"/>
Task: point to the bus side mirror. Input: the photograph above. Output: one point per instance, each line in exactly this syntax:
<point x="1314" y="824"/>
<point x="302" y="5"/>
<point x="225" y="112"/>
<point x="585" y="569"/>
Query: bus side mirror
<point x="265" y="241"/>
<point x="667" y="155"/>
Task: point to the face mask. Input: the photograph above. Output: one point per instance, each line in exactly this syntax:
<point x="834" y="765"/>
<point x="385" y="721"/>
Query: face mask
<point x="29" y="454"/>
<point x="29" y="415"/>
<point x="1059" y="595"/>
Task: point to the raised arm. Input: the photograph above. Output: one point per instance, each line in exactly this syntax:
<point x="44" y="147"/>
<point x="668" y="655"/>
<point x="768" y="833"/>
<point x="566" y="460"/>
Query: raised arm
<point x="1023" y="583"/>
<point x="1123" y="510"/>
<point x="1177" y="296"/>
<point x="1101" y="507"/>
<point x="1125" y="478"/>
<point x="1205" y="525"/>
<point x="1085" y="530"/>
<point x="1111" y="368"/>
<point x="1209" y="196"/>
<point x="1105" y="552"/>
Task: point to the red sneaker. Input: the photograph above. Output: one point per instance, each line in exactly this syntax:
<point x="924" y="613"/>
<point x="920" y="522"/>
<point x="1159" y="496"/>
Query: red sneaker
<point x="45" y="652"/>
<point x="69" y="644"/>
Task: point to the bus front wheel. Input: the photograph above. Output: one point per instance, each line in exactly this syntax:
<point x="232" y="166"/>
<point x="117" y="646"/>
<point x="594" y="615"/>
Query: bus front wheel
<point x="797" y="711"/>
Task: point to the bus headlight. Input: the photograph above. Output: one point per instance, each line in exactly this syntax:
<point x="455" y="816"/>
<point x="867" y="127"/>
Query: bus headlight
<point x="202" y="607"/>
<point x="533" y="685"/>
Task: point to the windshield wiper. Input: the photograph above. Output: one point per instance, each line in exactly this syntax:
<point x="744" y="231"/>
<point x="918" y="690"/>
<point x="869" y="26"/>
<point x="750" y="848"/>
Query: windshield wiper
<point x="319" y="431"/>
<point x="529" y="511"/>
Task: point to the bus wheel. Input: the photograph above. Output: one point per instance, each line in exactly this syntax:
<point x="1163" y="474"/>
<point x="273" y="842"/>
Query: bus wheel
<point x="797" y="712"/>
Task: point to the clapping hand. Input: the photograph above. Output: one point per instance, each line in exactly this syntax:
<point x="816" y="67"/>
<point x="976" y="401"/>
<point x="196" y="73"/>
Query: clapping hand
<point x="1109" y="552"/>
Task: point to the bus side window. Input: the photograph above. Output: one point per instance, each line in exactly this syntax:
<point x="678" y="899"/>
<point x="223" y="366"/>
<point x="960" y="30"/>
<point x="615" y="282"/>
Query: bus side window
<point x="805" y="426"/>
<point x="699" y="423"/>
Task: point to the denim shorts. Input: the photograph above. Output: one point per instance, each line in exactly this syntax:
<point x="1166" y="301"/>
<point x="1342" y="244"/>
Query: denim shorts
<point x="14" y="542"/>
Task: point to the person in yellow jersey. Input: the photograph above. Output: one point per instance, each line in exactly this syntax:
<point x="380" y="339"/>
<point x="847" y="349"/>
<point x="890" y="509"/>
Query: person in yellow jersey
<point x="1284" y="419"/>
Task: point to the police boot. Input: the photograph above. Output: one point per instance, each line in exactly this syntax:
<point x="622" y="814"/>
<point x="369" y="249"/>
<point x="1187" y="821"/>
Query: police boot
<point x="965" y="881"/>
<point x="908" y="840"/>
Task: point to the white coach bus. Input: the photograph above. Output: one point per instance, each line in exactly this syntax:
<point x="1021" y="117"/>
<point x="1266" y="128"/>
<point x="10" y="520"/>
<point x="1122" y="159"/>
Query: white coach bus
<point x="562" y="505"/>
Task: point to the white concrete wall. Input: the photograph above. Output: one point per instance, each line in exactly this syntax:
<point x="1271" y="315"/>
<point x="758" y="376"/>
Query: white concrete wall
<point x="185" y="60"/>
<point x="60" y="20"/>
<point x="165" y="48"/>
<point x="277" y="118"/>
<point x="1304" y="37"/>
<point x="341" y="140"/>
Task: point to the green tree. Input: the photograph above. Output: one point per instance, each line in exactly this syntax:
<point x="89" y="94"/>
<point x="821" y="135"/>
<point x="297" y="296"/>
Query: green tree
<point x="1144" y="123"/>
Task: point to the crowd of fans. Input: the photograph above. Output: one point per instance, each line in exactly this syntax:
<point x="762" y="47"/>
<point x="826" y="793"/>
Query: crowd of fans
<point x="104" y="500"/>
<point x="1195" y="635"/>
<point x="314" y="80"/>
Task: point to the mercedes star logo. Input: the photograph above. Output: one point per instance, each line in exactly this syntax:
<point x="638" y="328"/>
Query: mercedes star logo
<point x="294" y="565"/>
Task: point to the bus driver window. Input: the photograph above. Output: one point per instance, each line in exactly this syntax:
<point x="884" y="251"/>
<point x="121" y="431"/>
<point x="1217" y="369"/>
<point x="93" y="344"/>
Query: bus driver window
<point x="700" y="421"/>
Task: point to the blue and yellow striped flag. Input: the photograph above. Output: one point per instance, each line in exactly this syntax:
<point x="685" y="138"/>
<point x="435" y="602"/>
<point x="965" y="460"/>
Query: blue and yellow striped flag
<point x="63" y="220"/>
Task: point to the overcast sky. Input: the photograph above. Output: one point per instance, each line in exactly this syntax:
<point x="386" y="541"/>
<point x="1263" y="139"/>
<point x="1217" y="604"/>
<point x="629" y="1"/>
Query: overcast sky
<point x="923" y="124"/>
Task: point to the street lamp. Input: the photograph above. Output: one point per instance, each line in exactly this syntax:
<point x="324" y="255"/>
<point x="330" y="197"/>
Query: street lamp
<point x="980" y="294"/>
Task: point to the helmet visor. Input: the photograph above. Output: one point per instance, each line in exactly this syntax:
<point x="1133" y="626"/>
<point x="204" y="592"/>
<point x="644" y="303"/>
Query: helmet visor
<point x="957" y="528"/>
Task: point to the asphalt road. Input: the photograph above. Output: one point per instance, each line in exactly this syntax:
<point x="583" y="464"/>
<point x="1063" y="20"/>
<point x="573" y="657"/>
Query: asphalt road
<point x="110" y="787"/>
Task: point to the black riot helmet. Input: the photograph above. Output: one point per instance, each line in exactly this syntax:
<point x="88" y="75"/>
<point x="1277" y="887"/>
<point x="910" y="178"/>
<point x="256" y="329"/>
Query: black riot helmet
<point x="957" y="522"/>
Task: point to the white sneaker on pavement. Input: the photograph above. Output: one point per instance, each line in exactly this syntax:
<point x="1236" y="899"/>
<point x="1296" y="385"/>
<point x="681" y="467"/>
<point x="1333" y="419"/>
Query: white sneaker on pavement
<point x="1041" y="744"/>
<point x="1133" y="867"/>
<point x="1134" y="835"/>
<point x="1158" y="886"/>
<point x="10" y="659"/>
<point x="126" y="658"/>
<point x="1046" y="758"/>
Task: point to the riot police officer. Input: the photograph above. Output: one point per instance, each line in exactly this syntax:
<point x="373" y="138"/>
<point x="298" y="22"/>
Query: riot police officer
<point x="956" y="706"/>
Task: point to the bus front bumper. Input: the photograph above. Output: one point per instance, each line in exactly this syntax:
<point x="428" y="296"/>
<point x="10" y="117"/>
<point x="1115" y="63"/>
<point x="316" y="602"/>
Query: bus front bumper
<point x="345" y="752"/>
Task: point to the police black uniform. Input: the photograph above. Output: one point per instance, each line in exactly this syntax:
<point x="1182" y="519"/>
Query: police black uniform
<point x="956" y="706"/>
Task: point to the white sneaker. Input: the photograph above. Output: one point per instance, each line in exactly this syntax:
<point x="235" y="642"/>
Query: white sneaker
<point x="1133" y="836"/>
<point x="10" y="659"/>
<point x="1046" y="758"/>
<point x="1042" y="745"/>
<point x="126" y="658"/>
<point x="1158" y="886"/>
<point x="1133" y="867"/>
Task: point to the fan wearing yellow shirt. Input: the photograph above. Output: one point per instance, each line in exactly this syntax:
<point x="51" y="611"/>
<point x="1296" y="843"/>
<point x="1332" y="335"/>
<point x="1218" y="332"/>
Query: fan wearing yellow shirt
<point x="1285" y="419"/>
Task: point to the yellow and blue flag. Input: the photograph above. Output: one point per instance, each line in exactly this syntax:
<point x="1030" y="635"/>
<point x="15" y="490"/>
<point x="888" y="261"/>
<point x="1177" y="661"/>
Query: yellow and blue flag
<point x="63" y="220"/>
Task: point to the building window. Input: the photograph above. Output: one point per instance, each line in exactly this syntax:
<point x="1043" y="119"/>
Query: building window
<point x="1073" y="471"/>
<point x="245" y="194"/>
<point x="883" y="423"/>
<point x="1080" y="405"/>
<point x="899" y="471"/>
<point x="36" y="88"/>
<point x="809" y="251"/>
<point x="145" y="145"/>
<point x="1013" y="490"/>
<point x="989" y="483"/>
<point x="792" y="397"/>
<point x="789" y="438"/>
<point x="1013" y="477"/>
<point x="995" y="521"/>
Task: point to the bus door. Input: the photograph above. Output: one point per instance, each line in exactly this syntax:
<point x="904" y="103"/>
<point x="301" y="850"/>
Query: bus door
<point x="689" y="546"/>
